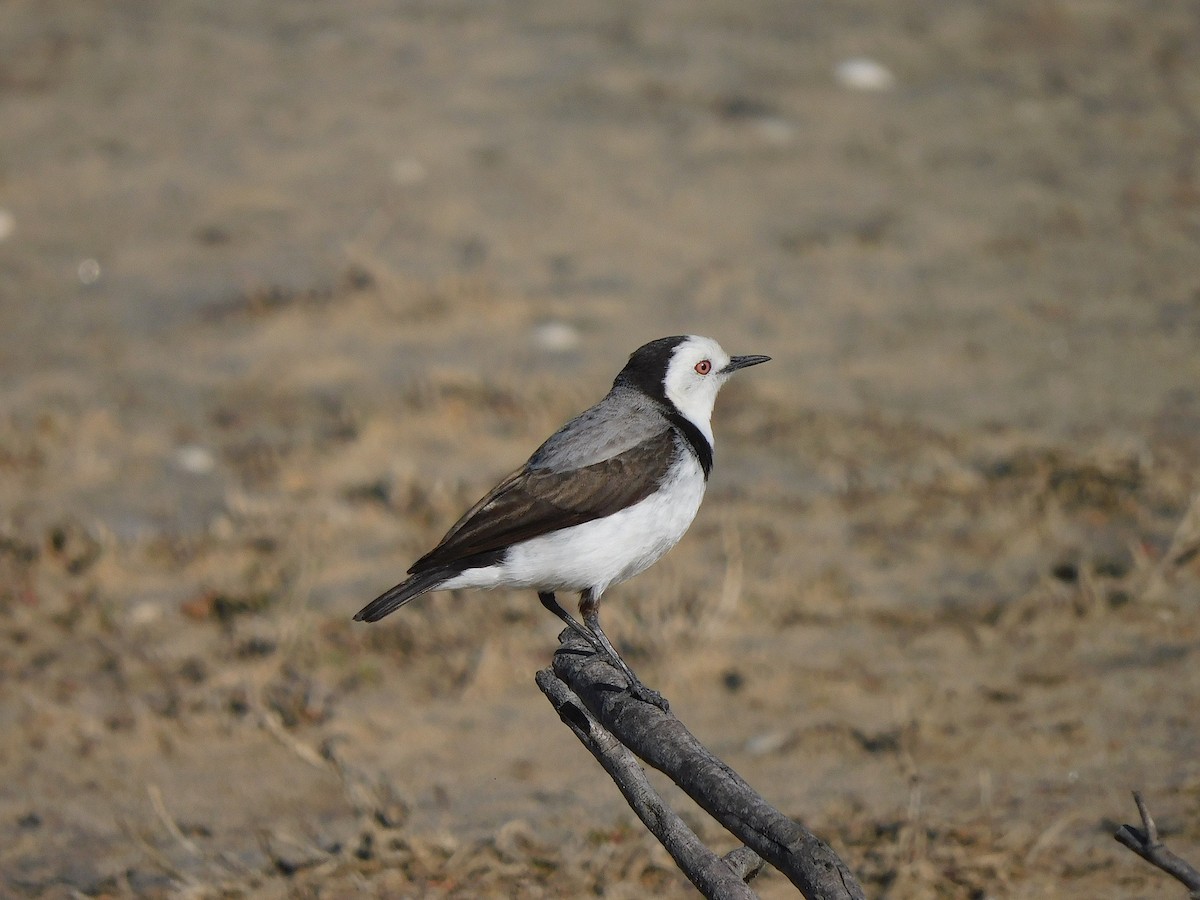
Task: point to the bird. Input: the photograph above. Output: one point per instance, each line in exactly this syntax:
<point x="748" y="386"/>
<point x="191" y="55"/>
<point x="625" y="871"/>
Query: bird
<point x="600" y="501"/>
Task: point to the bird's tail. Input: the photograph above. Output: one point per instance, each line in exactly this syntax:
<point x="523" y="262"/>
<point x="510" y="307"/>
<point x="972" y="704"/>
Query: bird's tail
<point x="409" y="589"/>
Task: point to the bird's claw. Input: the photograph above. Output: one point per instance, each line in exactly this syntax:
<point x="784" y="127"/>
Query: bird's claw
<point x="639" y="691"/>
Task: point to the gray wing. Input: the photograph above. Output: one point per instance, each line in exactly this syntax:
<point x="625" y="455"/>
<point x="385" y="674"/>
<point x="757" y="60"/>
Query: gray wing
<point x="621" y="421"/>
<point x="536" y="501"/>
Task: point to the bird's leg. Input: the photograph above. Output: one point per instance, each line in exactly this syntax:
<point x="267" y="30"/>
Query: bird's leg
<point x="548" y="601"/>
<point x="589" y="606"/>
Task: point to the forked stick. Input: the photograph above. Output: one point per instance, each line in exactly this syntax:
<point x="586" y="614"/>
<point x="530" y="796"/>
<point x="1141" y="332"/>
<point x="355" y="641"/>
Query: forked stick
<point x="589" y="693"/>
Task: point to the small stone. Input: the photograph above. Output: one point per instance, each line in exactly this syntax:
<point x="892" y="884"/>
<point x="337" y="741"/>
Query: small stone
<point x="860" y="73"/>
<point x="194" y="459"/>
<point x="557" y="337"/>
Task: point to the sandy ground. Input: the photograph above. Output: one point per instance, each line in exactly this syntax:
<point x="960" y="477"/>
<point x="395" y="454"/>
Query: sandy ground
<point x="285" y="287"/>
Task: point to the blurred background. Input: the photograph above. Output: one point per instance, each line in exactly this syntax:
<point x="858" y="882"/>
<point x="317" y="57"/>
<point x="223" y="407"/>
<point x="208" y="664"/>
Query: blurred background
<point x="285" y="287"/>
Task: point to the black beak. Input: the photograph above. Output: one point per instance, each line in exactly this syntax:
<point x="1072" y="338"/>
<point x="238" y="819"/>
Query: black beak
<point x="740" y="362"/>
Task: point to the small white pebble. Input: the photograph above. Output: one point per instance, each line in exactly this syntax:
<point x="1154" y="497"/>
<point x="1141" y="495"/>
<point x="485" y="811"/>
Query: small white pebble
<point x="145" y="613"/>
<point x="8" y="224"/>
<point x="557" y="337"/>
<point x="775" y="130"/>
<point x="768" y="742"/>
<point x="194" y="459"/>
<point x="408" y="171"/>
<point x="88" y="271"/>
<point x="862" y="74"/>
<point x="222" y="528"/>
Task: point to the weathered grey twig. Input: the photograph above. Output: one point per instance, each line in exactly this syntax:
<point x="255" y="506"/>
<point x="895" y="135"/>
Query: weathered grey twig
<point x="1145" y="843"/>
<point x="664" y="743"/>
<point x="745" y="863"/>
<point x="711" y="874"/>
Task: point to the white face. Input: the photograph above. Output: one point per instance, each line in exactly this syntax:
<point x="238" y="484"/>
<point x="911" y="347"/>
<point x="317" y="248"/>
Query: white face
<point x="694" y="376"/>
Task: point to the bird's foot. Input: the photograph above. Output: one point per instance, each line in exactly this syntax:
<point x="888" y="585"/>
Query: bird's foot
<point x="594" y="635"/>
<point x="639" y="691"/>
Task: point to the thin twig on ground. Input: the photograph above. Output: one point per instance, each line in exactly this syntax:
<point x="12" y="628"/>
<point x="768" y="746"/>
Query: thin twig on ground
<point x="168" y="821"/>
<point x="1184" y="548"/>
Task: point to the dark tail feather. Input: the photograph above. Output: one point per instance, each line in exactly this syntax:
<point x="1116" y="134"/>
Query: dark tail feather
<point x="410" y="589"/>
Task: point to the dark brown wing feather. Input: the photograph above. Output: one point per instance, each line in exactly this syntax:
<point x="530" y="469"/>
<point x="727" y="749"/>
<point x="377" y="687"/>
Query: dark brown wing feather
<point x="533" y="502"/>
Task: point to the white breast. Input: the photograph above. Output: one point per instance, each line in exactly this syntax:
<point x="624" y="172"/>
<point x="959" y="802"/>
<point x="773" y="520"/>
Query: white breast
<point x="604" y="551"/>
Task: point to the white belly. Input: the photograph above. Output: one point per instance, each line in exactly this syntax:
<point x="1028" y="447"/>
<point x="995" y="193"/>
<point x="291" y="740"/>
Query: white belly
<point x="601" y="552"/>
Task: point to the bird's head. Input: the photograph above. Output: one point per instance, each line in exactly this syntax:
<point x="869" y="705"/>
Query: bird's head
<point x="685" y="372"/>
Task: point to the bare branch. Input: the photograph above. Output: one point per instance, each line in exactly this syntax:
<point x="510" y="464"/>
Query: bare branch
<point x="745" y="863"/>
<point x="712" y="875"/>
<point x="1145" y="843"/>
<point x="663" y="742"/>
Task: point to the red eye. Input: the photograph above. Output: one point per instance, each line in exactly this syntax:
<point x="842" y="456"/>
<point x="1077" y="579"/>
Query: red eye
<point x="703" y="367"/>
